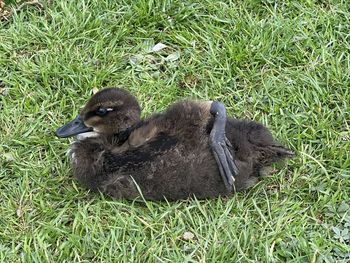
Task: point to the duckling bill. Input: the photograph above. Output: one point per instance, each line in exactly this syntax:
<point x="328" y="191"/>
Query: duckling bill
<point x="75" y="127"/>
<point x="191" y="149"/>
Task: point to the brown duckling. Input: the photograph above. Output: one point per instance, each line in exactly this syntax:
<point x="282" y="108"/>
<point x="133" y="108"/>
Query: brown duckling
<point x="173" y="155"/>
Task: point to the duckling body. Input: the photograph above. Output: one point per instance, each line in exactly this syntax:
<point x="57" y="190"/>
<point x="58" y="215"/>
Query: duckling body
<point x="169" y="155"/>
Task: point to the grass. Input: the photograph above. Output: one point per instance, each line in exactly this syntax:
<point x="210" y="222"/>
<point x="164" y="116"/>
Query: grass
<point x="283" y="63"/>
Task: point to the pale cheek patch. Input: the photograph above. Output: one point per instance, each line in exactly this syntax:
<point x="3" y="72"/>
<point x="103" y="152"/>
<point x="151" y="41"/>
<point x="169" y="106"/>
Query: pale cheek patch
<point x="86" y="135"/>
<point x="71" y="153"/>
<point x="79" y="137"/>
<point x="73" y="159"/>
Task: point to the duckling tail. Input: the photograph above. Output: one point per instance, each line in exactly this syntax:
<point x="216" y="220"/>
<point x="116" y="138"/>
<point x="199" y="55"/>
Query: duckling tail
<point x="282" y="151"/>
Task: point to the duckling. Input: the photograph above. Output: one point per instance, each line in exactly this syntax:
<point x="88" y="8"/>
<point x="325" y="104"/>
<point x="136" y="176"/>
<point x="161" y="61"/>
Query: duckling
<point x="191" y="149"/>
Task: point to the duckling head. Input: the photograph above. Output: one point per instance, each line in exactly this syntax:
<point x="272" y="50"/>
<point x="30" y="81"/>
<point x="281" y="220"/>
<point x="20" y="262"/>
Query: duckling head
<point x="110" y="111"/>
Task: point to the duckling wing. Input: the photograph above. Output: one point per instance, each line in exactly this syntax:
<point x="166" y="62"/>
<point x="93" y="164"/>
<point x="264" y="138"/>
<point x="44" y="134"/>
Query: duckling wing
<point x="136" y="156"/>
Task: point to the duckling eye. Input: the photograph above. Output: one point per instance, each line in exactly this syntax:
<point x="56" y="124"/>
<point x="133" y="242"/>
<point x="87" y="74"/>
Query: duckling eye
<point x="101" y="111"/>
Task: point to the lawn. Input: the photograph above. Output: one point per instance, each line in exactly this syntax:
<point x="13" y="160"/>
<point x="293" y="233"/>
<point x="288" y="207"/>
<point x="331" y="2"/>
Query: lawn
<point x="285" y="64"/>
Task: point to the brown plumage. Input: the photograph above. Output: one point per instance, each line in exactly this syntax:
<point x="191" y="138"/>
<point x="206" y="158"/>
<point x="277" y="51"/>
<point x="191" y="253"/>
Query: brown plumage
<point x="167" y="155"/>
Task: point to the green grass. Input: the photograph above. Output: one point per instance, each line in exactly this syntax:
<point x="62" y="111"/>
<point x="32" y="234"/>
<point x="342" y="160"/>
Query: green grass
<point x="285" y="64"/>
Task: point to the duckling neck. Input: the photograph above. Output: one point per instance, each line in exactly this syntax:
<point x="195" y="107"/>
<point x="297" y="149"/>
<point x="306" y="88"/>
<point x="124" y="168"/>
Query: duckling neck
<point x="122" y="136"/>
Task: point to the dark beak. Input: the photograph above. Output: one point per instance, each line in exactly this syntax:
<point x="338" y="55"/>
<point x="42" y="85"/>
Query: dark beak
<point x="72" y="128"/>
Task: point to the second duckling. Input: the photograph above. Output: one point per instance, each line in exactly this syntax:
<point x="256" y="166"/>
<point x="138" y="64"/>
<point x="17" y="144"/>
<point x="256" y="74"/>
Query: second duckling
<point x="173" y="155"/>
